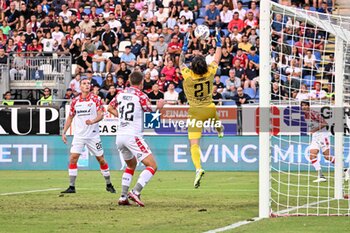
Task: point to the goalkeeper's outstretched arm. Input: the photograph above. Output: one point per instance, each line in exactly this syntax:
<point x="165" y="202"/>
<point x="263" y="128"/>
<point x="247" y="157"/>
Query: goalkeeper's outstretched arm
<point x="217" y="56"/>
<point x="184" y="51"/>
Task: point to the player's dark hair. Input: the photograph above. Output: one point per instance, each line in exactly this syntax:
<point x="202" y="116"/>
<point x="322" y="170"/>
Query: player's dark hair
<point x="199" y="65"/>
<point x="136" y="78"/>
<point x="305" y="103"/>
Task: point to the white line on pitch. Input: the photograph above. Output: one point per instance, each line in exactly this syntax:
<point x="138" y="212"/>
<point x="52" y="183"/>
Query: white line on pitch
<point x="30" y="191"/>
<point x="304" y="206"/>
<point x="234" y="225"/>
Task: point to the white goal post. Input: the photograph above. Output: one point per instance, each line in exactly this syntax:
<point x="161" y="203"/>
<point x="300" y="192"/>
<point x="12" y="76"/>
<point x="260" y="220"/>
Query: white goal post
<point x="286" y="188"/>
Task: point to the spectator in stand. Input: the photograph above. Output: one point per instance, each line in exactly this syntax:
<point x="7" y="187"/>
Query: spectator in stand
<point x="245" y="45"/>
<point x="147" y="83"/>
<point x="277" y="92"/>
<point x="225" y="62"/>
<point x="124" y="72"/>
<point x="318" y="93"/>
<point x="107" y="83"/>
<point x="187" y="13"/>
<point x="251" y="21"/>
<point x="303" y="45"/>
<point x="309" y="67"/>
<point x="242" y="57"/>
<point x="155" y="94"/>
<point x="98" y="62"/>
<point x="146" y="14"/>
<point x="303" y="94"/>
<point x="5" y="28"/>
<point x="240" y="10"/>
<point x="174" y="48"/>
<point x="75" y="84"/>
<point x="65" y="13"/>
<point x="84" y="62"/>
<point x="236" y="22"/>
<point x="324" y="8"/>
<point x="112" y="92"/>
<point x="162" y="83"/>
<point x="86" y="25"/>
<point x="93" y="81"/>
<point x="217" y="97"/>
<point x="156" y="59"/>
<point x="109" y="39"/>
<point x="120" y="84"/>
<point x="210" y="57"/>
<point x="171" y="96"/>
<point x="169" y="71"/>
<point x="3" y="56"/>
<point x="69" y="95"/>
<point x="74" y="22"/>
<point x="251" y="77"/>
<point x="241" y="97"/>
<point x="75" y="49"/>
<point x="156" y="24"/>
<point x="212" y="16"/>
<point x="218" y="83"/>
<point x="152" y="70"/>
<point x="239" y="70"/>
<point x="161" y="15"/>
<point x="161" y="46"/>
<point x="113" y="63"/>
<point x="226" y="16"/>
<point x="18" y="68"/>
<point x="128" y="57"/>
<point x="132" y="11"/>
<point x="12" y="15"/>
<point x="96" y="91"/>
<point x="128" y="28"/>
<point x="253" y="57"/>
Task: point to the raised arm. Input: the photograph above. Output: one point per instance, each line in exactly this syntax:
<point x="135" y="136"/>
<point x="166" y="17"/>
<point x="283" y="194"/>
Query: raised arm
<point x="217" y="56"/>
<point x="184" y="51"/>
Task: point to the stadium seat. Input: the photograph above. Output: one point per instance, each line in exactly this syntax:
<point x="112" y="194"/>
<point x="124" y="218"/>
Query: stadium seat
<point x="228" y="102"/>
<point x="107" y="55"/>
<point x="202" y="11"/>
<point x="206" y="2"/>
<point x="250" y="92"/>
<point x="290" y="42"/>
<point x="99" y="11"/>
<point x="309" y="80"/>
<point x="178" y="90"/>
<point x="284" y="78"/>
<point x="123" y="44"/>
<point x="200" y="21"/>
<point x="225" y="31"/>
<point x="98" y="79"/>
<point x="87" y="11"/>
<point x="318" y="56"/>
<point x="223" y="79"/>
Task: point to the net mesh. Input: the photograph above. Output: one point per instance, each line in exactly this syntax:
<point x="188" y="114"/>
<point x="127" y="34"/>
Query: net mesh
<point x="303" y="64"/>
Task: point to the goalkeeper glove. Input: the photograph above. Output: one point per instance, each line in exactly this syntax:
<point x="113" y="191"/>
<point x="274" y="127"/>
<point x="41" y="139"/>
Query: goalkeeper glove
<point x="218" y="38"/>
<point x="186" y="41"/>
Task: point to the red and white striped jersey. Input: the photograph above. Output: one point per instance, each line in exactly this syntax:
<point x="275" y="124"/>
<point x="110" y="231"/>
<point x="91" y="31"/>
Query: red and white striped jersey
<point x="131" y="103"/>
<point x="83" y="109"/>
<point x="314" y="119"/>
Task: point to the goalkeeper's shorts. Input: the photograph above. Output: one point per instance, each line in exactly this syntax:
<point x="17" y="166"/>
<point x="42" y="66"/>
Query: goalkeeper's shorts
<point x="200" y="113"/>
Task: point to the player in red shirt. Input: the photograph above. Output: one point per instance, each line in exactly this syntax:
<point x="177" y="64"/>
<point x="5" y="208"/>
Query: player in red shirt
<point x="129" y="106"/>
<point x="317" y="127"/>
<point x="87" y="110"/>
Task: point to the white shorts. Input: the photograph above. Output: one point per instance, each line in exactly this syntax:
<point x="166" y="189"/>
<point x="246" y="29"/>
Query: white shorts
<point x="132" y="146"/>
<point x="320" y="141"/>
<point x="93" y="145"/>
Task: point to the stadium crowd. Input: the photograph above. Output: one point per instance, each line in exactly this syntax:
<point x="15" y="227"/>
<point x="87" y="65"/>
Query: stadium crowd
<point x="108" y="39"/>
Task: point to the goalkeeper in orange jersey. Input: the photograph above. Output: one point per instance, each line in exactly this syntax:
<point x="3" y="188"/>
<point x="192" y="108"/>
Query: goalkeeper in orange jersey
<point x="198" y="86"/>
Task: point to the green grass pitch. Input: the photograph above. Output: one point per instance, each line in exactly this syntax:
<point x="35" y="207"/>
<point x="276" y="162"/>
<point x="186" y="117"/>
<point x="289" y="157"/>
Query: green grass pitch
<point x="172" y="205"/>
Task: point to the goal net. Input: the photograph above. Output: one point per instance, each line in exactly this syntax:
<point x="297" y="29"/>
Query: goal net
<point x="304" y="91"/>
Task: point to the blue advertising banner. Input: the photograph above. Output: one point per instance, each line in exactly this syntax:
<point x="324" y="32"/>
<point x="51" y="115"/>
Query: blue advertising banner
<point x="233" y="153"/>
